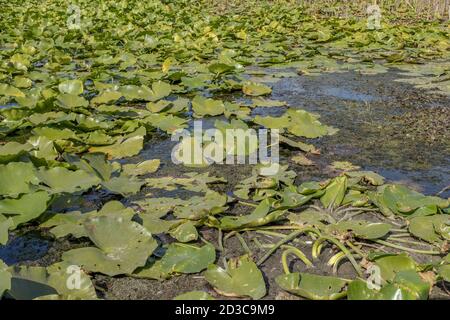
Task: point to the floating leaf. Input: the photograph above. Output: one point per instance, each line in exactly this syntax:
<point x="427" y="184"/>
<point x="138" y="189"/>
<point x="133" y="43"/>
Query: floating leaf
<point x="242" y="278"/>
<point x="255" y="89"/>
<point x="5" y="278"/>
<point x="179" y="258"/>
<point x="125" y="148"/>
<point x="16" y="178"/>
<point x="122" y="246"/>
<point x="207" y="107"/>
<point x="71" y="87"/>
<point x="313" y="286"/>
<point x="26" y="208"/>
<point x="431" y="228"/>
<point x="142" y="168"/>
<point x="60" y="179"/>
<point x="334" y="192"/>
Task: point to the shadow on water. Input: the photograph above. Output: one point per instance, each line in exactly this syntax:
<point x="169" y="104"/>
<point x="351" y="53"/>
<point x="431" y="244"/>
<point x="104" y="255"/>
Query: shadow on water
<point x="26" y="247"/>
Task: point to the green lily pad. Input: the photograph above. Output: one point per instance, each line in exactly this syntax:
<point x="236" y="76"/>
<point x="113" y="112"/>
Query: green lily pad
<point x="407" y="285"/>
<point x="305" y="124"/>
<point x="185" y="232"/>
<point x="207" y="107"/>
<point x="122" y="149"/>
<point x="334" y="192"/>
<point x="444" y="272"/>
<point x="363" y="229"/>
<point x="260" y="216"/>
<point x="313" y="286"/>
<point x="5" y="225"/>
<point x="433" y="229"/>
<point x="124" y="185"/>
<point x="16" y="178"/>
<point x="26" y="208"/>
<point x="67" y="281"/>
<point x="194" y="295"/>
<point x="255" y="89"/>
<point x="122" y="246"/>
<point x="60" y="179"/>
<point x="242" y="278"/>
<point x="142" y="168"/>
<point x="63" y="224"/>
<point x="179" y="258"/>
<point x="5" y="278"/>
<point x="392" y="264"/>
<point x="71" y="87"/>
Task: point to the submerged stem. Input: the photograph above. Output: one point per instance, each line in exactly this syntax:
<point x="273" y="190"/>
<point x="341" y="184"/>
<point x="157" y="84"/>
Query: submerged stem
<point x="393" y="245"/>
<point x="286" y="239"/>
<point x="346" y="251"/>
<point x="298" y="253"/>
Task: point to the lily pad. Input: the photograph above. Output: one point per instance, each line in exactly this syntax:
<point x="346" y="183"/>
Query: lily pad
<point x="242" y="278"/>
<point x="122" y="246"/>
<point x="194" y="295"/>
<point x="313" y="286"/>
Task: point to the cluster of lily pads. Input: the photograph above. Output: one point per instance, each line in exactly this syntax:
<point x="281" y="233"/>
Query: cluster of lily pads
<point x="75" y="103"/>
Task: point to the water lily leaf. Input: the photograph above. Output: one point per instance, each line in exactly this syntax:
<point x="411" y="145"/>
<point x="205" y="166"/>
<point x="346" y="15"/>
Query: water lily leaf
<point x="71" y="87"/>
<point x="334" y="192"/>
<point x="63" y="224"/>
<point x="363" y="229"/>
<point x="392" y="264"/>
<point x="12" y="151"/>
<point x="26" y="208"/>
<point x="5" y="225"/>
<point x="199" y="207"/>
<point x="255" y="89"/>
<point x="10" y="91"/>
<point x="106" y="97"/>
<point x="5" y="278"/>
<point x="194" y="295"/>
<point x="185" y="232"/>
<point x="313" y="286"/>
<point x="55" y="134"/>
<point x="260" y="216"/>
<point x="343" y="165"/>
<point x="35" y="282"/>
<point x="242" y="278"/>
<point x="179" y="258"/>
<point x="122" y="246"/>
<point x="159" y="90"/>
<point x="60" y="179"/>
<point x="305" y="124"/>
<point x="444" y="272"/>
<point x="207" y="107"/>
<point x="397" y="199"/>
<point x="142" y="168"/>
<point x="184" y="258"/>
<point x="369" y="176"/>
<point x="355" y="198"/>
<point x="430" y="228"/>
<point x="261" y="102"/>
<point x="16" y="178"/>
<point x="407" y="285"/>
<point x="273" y="122"/>
<point x="71" y="101"/>
<point x="122" y="149"/>
<point x="124" y="185"/>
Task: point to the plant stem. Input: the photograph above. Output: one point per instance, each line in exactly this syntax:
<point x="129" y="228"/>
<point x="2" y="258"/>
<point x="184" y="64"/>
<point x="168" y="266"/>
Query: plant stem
<point x="392" y="245"/>
<point x="295" y="251"/>
<point x="346" y="251"/>
<point x="286" y="239"/>
<point x="243" y="243"/>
